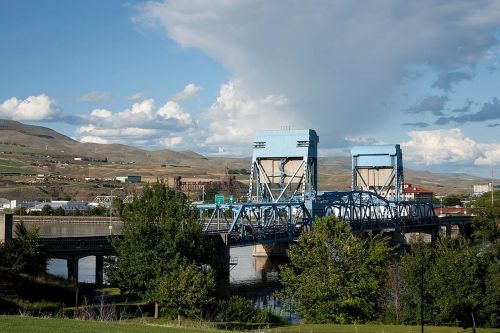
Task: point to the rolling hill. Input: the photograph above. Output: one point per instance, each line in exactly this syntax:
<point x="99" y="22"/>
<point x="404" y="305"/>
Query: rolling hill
<point x="18" y="140"/>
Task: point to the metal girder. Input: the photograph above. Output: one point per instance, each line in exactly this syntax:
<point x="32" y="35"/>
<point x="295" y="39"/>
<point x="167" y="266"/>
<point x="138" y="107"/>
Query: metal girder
<point x="379" y="169"/>
<point x="252" y="223"/>
<point x="368" y="211"/>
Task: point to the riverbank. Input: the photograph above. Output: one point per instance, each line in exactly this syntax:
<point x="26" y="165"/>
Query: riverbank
<point x="25" y="324"/>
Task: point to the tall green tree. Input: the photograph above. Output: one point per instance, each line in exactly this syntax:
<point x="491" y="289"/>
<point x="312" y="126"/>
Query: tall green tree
<point x="185" y="291"/>
<point x="335" y="276"/>
<point x="456" y="281"/>
<point x="24" y="253"/>
<point x="160" y="237"/>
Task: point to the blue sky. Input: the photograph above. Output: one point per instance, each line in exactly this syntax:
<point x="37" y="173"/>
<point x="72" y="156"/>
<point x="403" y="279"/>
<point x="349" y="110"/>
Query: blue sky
<point x="205" y="75"/>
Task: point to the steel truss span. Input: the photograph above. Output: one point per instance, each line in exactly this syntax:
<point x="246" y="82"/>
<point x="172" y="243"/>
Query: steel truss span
<point x="252" y="223"/>
<point x="368" y="211"/>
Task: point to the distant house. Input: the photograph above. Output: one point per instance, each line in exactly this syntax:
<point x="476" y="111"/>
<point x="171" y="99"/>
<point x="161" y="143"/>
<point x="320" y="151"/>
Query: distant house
<point x="128" y="179"/>
<point x="417" y="193"/>
<point x="412" y="193"/>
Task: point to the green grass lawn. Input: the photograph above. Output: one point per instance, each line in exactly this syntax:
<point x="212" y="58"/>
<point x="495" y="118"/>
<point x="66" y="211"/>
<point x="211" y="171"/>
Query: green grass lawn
<point x="26" y="324"/>
<point x="375" y="328"/>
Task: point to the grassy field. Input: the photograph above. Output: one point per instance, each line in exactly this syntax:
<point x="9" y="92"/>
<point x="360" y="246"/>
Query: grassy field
<point x="20" y="292"/>
<point x="375" y="328"/>
<point x="26" y="324"/>
<point x="15" y="324"/>
<point x="10" y="166"/>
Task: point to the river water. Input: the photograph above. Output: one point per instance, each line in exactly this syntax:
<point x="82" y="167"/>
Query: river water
<point x="255" y="278"/>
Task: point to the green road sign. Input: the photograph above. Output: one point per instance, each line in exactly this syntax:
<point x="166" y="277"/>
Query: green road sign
<point x="219" y="199"/>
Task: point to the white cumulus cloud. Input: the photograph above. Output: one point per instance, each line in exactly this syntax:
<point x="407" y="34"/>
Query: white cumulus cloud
<point x="33" y="108"/>
<point x="448" y="146"/>
<point x="236" y="114"/>
<point x="171" y="142"/>
<point x="439" y="146"/>
<point x="189" y="91"/>
<point x="100" y="113"/>
<point x="329" y="60"/>
<point x="114" y="132"/>
<point x="93" y="139"/>
<point x="172" y="110"/>
<point x="491" y="155"/>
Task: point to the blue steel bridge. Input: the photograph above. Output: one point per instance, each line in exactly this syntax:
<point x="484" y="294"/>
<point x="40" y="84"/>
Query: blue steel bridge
<point x="283" y="196"/>
<point x="282" y="202"/>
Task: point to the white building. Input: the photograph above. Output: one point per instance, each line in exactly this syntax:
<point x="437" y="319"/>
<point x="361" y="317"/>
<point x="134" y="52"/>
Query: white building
<point x="128" y="179"/>
<point x="69" y="206"/>
<point x="479" y="190"/>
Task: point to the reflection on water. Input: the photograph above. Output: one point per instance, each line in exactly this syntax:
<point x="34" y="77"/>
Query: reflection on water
<point x="249" y="269"/>
<point x="86" y="268"/>
<point x="255" y="278"/>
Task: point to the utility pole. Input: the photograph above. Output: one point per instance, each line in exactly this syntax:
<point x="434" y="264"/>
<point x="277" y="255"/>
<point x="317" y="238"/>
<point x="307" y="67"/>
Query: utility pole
<point x="422" y="295"/>
<point x="492" y="187"/>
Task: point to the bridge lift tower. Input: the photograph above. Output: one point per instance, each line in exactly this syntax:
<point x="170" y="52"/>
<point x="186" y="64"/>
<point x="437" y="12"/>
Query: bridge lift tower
<point x="284" y="166"/>
<point x="378" y="169"/>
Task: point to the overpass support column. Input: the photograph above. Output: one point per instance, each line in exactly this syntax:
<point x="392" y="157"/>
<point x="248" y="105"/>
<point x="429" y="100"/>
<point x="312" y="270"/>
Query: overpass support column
<point x="461" y="228"/>
<point x="221" y="244"/>
<point x="72" y="264"/>
<point x="5" y="227"/>
<point x="434" y="234"/>
<point x="398" y="238"/>
<point x="448" y="230"/>
<point x="99" y="269"/>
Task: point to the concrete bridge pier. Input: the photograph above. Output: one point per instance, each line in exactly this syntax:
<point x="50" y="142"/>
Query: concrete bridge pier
<point x="222" y="251"/>
<point x="272" y="250"/>
<point x="72" y="265"/>
<point x="434" y="231"/>
<point x="5" y="227"/>
<point x="448" y="229"/>
<point x="99" y="270"/>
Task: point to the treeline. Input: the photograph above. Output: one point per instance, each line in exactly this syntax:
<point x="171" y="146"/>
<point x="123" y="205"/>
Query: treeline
<point x="335" y="276"/>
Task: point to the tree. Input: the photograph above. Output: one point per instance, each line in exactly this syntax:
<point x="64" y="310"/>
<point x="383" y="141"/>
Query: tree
<point x="185" y="291"/>
<point x="415" y="276"/>
<point x="455" y="279"/>
<point x="59" y="212"/>
<point x="24" y="253"/>
<point x="117" y="206"/>
<point x="20" y="210"/>
<point x="47" y="210"/>
<point x="96" y="211"/>
<point x="335" y="276"/>
<point x="451" y="200"/>
<point x="210" y="194"/>
<point x="161" y="237"/>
